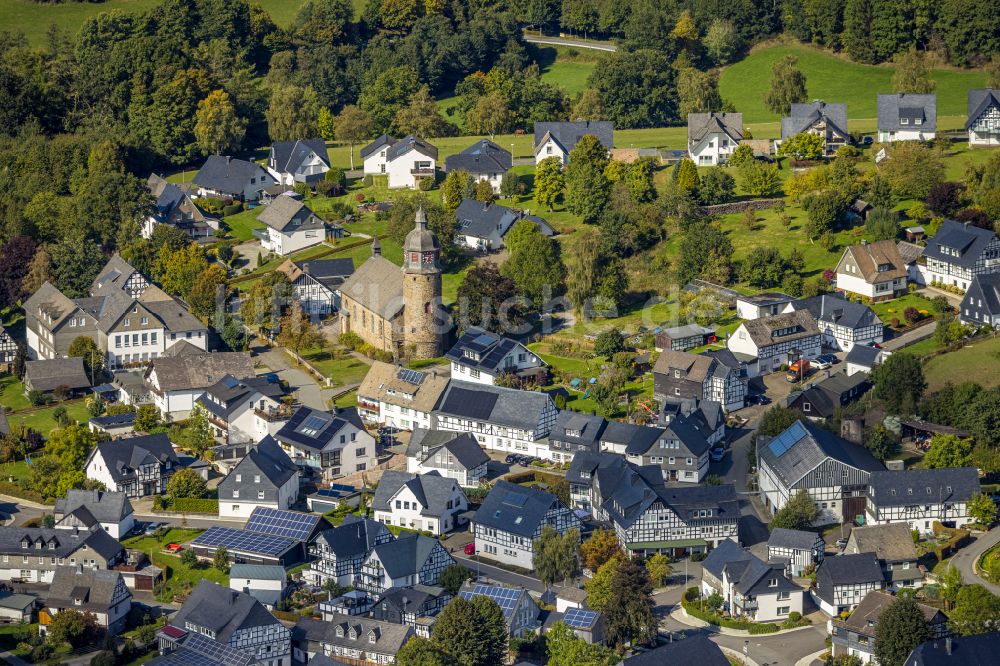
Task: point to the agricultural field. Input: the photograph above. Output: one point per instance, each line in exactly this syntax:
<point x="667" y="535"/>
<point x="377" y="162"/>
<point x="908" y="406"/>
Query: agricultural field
<point x="979" y="362"/>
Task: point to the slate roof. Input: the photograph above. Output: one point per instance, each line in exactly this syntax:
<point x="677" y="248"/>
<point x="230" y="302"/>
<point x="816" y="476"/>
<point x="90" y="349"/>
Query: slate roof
<point x="701" y="125"/>
<point x="829" y="394"/>
<point x="766" y="298"/>
<point x="103" y="505"/>
<point x="462" y="447"/>
<point x="50" y="301"/>
<point x="289" y="155"/>
<point x="515" y="509"/>
<point x="892" y="108"/>
<point x="385" y="382"/>
<point x="330" y="273"/>
<point x="979" y="100"/>
<point x="890" y="543"/>
<point x="863" y="355"/>
<point x="378" y="286"/>
<point x="299" y="432"/>
<point x="970" y="242"/>
<point x="870" y="256"/>
<point x="848" y="570"/>
<point x="692" y="650"/>
<point x="406" y="555"/>
<point x="482" y="157"/>
<point x="258" y="572"/>
<point x="888" y="488"/>
<point x="270" y="461"/>
<point x="835" y="309"/>
<point x="493" y="404"/>
<point x="222" y="610"/>
<point x="66" y="542"/>
<point x="383" y="141"/>
<point x="589" y="427"/>
<point x="49" y="374"/>
<point x="124" y="456"/>
<point x="986" y="288"/>
<point x="797" y="539"/>
<point x="493" y="221"/>
<point x="389" y="637"/>
<point x="761" y="330"/>
<point x="804" y="116"/>
<point x="94" y="587"/>
<point x="431" y="490"/>
<point x="808" y="446"/>
<point x="695" y="367"/>
<point x="289" y="214"/>
<point x="408" y="143"/>
<point x="355" y="537"/>
<point x="481" y="350"/>
<point x="229" y="175"/>
<point x="957" y="651"/>
<point x="228" y="394"/>
<point x="114" y="276"/>
<point x="194" y="649"/>
<point x="863" y="618"/>
<point x="568" y="134"/>
<point x="200" y="371"/>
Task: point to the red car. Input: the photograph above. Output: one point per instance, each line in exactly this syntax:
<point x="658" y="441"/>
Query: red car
<point x="470" y="549"/>
<point x="174" y="547"/>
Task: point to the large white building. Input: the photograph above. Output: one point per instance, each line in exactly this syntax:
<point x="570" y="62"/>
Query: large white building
<point x="958" y="251"/>
<point x="398" y="397"/>
<point x="265" y="477"/>
<point x="712" y="137"/>
<point x="176" y="382"/>
<point x="290" y="225"/>
<point x="405" y="162"/>
<point x="750" y="588"/>
<point x="873" y="270"/>
<point x="333" y="444"/>
<point x="906" y="117"/>
<point x="427" y="502"/>
<point x="767" y="343"/>
<point x="482" y="357"/>
<point x="921" y="497"/>
<point x="843" y="323"/>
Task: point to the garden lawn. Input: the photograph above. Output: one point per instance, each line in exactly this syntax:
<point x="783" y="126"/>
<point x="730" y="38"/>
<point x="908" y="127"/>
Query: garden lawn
<point x="979" y="361"/>
<point x="241" y="225"/>
<point x="44" y="421"/>
<point x="180" y="579"/>
<point x="567" y="67"/>
<point x="349" y="399"/>
<point x="19" y="470"/>
<point x="886" y="310"/>
<point x="12" y="393"/>
<point x="342" y="368"/>
<point x="833" y="79"/>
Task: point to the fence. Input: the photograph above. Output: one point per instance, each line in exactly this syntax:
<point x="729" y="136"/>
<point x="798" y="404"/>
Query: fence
<point x="739" y="206"/>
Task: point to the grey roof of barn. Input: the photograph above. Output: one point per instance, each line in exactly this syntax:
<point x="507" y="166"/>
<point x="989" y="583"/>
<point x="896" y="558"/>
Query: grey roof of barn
<point x="700" y="125"/>
<point x="761" y="330"/>
<point x="354" y="537"/>
<point x="863" y="355"/>
<point x="51" y="373"/>
<point x="892" y="488"/>
<point x="809" y="445"/>
<point x="894" y="107"/>
<point x="408" y="143"/>
<point x="288" y="213"/>
<point x="968" y="240"/>
<point x="405" y="555"/>
<point x="288" y="155"/>
<point x="228" y="175"/>
<point x="124" y="456"/>
<point x="103" y="505"/>
<point x="462" y="447"/>
<point x="568" y="134"/>
<point x="432" y="490"/>
<point x="890" y="543"/>
<point x="493" y="404"/>
<point x="382" y="141"/>
<point x="849" y="569"/>
<point x="782" y="537"/>
<point x="221" y="610"/>
<point x="199" y="371"/>
<point x="695" y="649"/>
<point x="95" y="588"/>
<point x="984" y="287"/>
<point x="515" y="509"/>
<point x="834" y="309"/>
<point x="66" y="542"/>
<point x="377" y="285"/>
<point x="909" y="252"/>
<point x="482" y="157"/>
<point x="979" y="100"/>
<point x="803" y="116"/>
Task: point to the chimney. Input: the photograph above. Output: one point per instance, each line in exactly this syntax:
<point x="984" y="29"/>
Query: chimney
<point x="376" y="248"/>
<point x="305" y="268"/>
<point x="947" y="645"/>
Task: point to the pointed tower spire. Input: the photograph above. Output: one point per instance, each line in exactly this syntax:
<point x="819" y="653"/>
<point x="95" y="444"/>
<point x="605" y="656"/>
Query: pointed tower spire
<point x="421" y="218"/>
<point x="376" y="247"/>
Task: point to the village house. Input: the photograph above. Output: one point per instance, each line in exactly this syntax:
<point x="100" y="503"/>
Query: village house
<point x="331" y="444"/>
<point x="768" y="343"/>
<point x="8" y="349"/>
<point x="705" y="416"/>
<point x="32" y="554"/>
<point x="317" y="282"/>
<point x="958" y="252"/>
<point x="983" y="123"/>
<point x="511" y="517"/>
<point x="357" y="639"/>
<point x="65" y="375"/>
<point x="873" y="270"/>
<point x="137" y="466"/>
<point x="956" y="651"/>
<point x="176" y="381"/>
<point x="484" y="226"/>
<point x="230" y="178"/>
<point x="588" y="625"/>
<point x="483" y="160"/>
<point x="832" y="470"/>
<point x="455" y="456"/>
<point x="175" y="207"/>
<point x="762" y="305"/>
<point x="339" y="552"/>
<point x="574" y="432"/>
<point x="798" y="548"/>
<point x="374" y="155"/>
<point x="863" y="358"/>
<point x="520" y="612"/>
<point x="483" y="357"/>
<point x="856" y="635"/>
<point x="83" y="509"/>
<point x="267" y="583"/>
<point x="842" y="581"/>
<point x="679" y="448"/>
<point x="842" y="322"/>
<point x="398" y="397"/>
<point x="682" y="338"/>
<point x="750" y="588"/>
<point x="557" y="139"/>
<point x="244" y="410"/>
<point x="411" y="559"/>
<point x="828" y="121"/>
<point x="712" y="137"/>
<point x="894" y="548"/>
<point x="266" y="477"/>
<point x="101" y="592"/>
<point x="301" y="161"/>
<point x="290" y="225"/>
<point x="501" y="419"/>
<point x="921" y="497"/>
<point x="824" y="398"/>
<point x="427" y="502"/>
<point x="682" y="375"/>
<point x="411" y="606"/>
<point x="906" y="117"/>
<point x="232" y="618"/>
<point x="981" y="304"/>
<point x="404" y="162"/>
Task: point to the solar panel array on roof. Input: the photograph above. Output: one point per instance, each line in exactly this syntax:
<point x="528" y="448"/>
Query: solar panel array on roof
<point x="411" y="376"/>
<point x="243" y="541"/>
<point x="291" y="524"/>
<point x="216" y="652"/>
<point x="505" y="597"/>
<point x="469" y="403"/>
<point x="515" y="499"/>
<point x="314" y="422"/>
<point x="780" y="444"/>
<point x="230" y="382"/>
<point x="580" y="618"/>
<point x="343" y="487"/>
<point x="486" y="339"/>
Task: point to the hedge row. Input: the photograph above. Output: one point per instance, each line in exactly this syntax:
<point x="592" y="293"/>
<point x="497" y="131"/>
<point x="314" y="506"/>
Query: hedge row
<point x="192" y="505"/>
<point x="14" y="490"/>
<point x="956" y="539"/>
<point x="712" y="618"/>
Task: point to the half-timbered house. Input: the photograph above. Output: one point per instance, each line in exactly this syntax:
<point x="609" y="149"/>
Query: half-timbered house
<point x="843" y="581"/>
<point x="958" y="251"/>
<point x="921" y="497"/>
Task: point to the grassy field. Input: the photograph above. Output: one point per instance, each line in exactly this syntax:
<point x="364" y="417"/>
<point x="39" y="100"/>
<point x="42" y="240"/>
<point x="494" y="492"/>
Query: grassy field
<point x="565" y="67"/>
<point x="241" y="225"/>
<point x="180" y="579"/>
<point x="887" y="310"/>
<point x="979" y="362"/>
<point x="833" y="79"/>
<point x="341" y="367"/>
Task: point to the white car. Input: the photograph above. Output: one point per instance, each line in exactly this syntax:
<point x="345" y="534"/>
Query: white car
<point x="820" y="364"/>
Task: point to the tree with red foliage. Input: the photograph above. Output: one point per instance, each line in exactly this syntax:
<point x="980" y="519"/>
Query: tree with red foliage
<point x="15" y="257"/>
<point x="976" y="218"/>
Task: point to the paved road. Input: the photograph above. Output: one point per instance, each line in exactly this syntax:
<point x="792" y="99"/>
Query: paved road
<point x="908" y="338"/>
<point x="561" y="41"/>
<point x="305" y="389"/>
<point x="965" y="558"/>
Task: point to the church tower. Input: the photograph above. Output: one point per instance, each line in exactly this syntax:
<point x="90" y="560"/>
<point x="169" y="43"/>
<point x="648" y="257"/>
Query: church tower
<point x="423" y="316"/>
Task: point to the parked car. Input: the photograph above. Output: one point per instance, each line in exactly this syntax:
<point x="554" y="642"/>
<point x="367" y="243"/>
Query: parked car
<point x="717" y="454"/>
<point x="828" y="358"/>
<point x="151" y="528"/>
<point x="470" y="549"/>
<point x="759" y="399"/>
<point x="510" y="459"/>
<point x="841" y="544"/>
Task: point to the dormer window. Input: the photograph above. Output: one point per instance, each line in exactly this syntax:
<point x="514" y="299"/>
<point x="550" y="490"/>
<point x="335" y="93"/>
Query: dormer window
<point x="371" y="638"/>
<point x="127" y="322"/>
<point x="340" y="632"/>
<point x="773" y="582"/>
<point x="904" y="121"/>
<point x="918" y="121"/>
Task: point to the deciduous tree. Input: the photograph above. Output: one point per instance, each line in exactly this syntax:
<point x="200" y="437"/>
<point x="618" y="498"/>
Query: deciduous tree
<point x="217" y="127"/>
<point x="534" y="263"/>
<point x="487" y="298"/>
<point x="799" y="512"/>
<point x="803" y="146"/>
<point x="352" y="125"/>
<point x="587" y="188"/>
<point x="599" y="548"/>
<point x="788" y="86"/>
<point x="292" y="112"/>
<point x="900" y="628"/>
<point x="93" y="358"/>
<point x="422" y="117"/>
<point x="297" y="332"/>
<point x="912" y="74"/>
<point x="629" y="611"/>
<point x="550" y="182"/>
<point x="899" y="383"/>
<point x="474" y="633"/>
<point x="186" y="483"/>
<point x="983" y="509"/>
<point x="976" y="611"/>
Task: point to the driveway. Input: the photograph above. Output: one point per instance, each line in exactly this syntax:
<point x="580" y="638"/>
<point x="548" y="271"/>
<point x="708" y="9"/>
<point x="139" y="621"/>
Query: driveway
<point x="965" y="558"/>
<point x="301" y="383"/>
<point x="909" y="337"/>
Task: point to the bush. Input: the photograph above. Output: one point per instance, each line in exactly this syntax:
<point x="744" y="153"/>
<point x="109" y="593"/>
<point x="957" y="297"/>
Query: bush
<point x="232" y="209"/>
<point x="911" y="315"/>
<point x="691" y="596"/>
<point x="37" y="398"/>
<point x="327" y="188"/>
<point x="698" y="557"/>
<point x="425" y="184"/>
<point x="795" y="616"/>
<point x="194" y="505"/>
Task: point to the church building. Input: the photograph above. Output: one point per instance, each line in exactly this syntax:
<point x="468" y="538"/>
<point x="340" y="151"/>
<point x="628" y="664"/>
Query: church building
<point x="395" y="309"/>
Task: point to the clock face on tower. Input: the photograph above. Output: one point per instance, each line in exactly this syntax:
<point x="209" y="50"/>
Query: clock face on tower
<point x="428" y="258"/>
